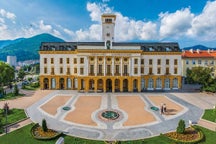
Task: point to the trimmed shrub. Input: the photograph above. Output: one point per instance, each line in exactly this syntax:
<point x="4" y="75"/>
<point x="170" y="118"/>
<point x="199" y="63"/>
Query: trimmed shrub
<point x="181" y="127"/>
<point x="16" y="90"/>
<point x="44" y="125"/>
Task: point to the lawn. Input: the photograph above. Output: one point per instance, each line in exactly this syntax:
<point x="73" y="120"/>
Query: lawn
<point x="13" y="116"/>
<point x="209" y="115"/>
<point x="23" y="135"/>
<point x="10" y="96"/>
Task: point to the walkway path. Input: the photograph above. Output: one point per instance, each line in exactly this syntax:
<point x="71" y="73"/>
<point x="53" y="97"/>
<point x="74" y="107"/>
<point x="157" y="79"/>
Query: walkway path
<point x="207" y="124"/>
<point x="162" y="125"/>
<point x="18" y="125"/>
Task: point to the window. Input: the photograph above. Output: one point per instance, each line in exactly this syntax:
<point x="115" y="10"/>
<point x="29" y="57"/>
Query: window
<point x="167" y="61"/>
<point x="135" y="70"/>
<point x="125" y="69"/>
<point x="68" y="70"/>
<point x="159" y="62"/>
<point x="212" y="62"/>
<point x="150" y="61"/>
<point x="75" y="61"/>
<point x="82" y="60"/>
<point x="117" y="69"/>
<point x="175" y="61"/>
<point x="135" y="61"/>
<point x="75" y="70"/>
<point x="108" y="20"/>
<point x="158" y="70"/>
<point x="187" y="62"/>
<point x="109" y="69"/>
<point x="68" y="60"/>
<point x="142" y="70"/>
<point x="61" y="70"/>
<point x="150" y="70"/>
<point x="175" y="70"/>
<point x="142" y="61"/>
<point x="52" y="70"/>
<point x="52" y="60"/>
<point x="206" y="62"/>
<point x="100" y="69"/>
<point x="193" y="62"/>
<point x="199" y="62"/>
<point x="45" y="60"/>
<point x="81" y="71"/>
<point x="61" y="60"/>
<point x="45" y="70"/>
<point x="91" y="69"/>
<point x="167" y="70"/>
<point x="92" y="58"/>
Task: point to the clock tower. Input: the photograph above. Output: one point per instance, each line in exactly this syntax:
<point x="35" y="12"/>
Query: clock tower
<point x="108" y="26"/>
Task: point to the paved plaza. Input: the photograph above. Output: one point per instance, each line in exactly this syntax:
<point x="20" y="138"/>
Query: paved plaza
<point x="136" y="118"/>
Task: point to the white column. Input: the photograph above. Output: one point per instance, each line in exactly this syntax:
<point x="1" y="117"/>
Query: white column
<point x="112" y="66"/>
<point x="104" y="66"/>
<point x="86" y="69"/>
<point x="139" y="66"/>
<point x="95" y="65"/>
<point x="121" y="66"/>
<point x="78" y="65"/>
<point x="131" y="66"/>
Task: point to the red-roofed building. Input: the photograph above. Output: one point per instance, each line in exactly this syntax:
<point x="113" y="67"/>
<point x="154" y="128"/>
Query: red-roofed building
<point x="195" y="58"/>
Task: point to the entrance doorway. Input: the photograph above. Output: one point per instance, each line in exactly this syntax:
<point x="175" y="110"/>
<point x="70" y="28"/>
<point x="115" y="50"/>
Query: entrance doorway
<point x="109" y="85"/>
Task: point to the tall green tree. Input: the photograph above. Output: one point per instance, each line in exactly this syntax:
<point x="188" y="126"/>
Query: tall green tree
<point x="21" y="74"/>
<point x="7" y="73"/>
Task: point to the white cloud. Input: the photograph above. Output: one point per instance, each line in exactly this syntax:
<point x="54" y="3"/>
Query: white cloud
<point x="45" y="28"/>
<point x="8" y="15"/>
<point x="175" y="24"/>
<point x="126" y="28"/>
<point x="204" y="25"/>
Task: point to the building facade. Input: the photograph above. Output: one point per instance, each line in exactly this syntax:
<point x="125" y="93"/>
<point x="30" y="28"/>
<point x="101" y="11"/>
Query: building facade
<point x="194" y="58"/>
<point x="12" y="60"/>
<point x="110" y="66"/>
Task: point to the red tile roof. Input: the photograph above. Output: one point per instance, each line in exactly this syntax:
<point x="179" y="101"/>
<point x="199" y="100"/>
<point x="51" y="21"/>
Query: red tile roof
<point x="198" y="54"/>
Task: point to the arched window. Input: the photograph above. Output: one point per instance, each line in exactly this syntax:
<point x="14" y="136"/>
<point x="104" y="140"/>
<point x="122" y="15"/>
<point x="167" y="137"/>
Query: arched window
<point x="150" y="83"/>
<point x="53" y="83"/>
<point x="69" y="83"/>
<point x="167" y="83"/>
<point x="158" y="83"/>
<point x="175" y="83"/>
<point x="143" y="83"/>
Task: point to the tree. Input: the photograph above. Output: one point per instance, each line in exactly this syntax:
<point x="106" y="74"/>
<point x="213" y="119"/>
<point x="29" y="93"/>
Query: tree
<point x="44" y="125"/>
<point x="7" y="73"/>
<point x="21" y="74"/>
<point x="181" y="127"/>
<point x="16" y="90"/>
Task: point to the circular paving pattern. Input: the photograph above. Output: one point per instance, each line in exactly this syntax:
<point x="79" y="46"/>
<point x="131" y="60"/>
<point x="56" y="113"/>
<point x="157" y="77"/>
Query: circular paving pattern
<point x="122" y="116"/>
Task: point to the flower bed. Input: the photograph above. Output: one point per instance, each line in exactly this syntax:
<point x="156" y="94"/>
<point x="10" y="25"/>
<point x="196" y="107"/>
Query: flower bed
<point x="190" y="136"/>
<point x="38" y="133"/>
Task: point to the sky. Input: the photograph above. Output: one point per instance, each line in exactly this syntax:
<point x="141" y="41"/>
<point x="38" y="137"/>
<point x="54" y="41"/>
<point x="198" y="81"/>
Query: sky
<point x="188" y="22"/>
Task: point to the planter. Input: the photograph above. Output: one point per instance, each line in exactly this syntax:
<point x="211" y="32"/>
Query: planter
<point x="38" y="133"/>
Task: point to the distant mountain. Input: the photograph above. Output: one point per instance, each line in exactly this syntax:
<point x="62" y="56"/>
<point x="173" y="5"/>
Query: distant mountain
<point x="27" y="49"/>
<point x="200" y="47"/>
<point x="4" y="43"/>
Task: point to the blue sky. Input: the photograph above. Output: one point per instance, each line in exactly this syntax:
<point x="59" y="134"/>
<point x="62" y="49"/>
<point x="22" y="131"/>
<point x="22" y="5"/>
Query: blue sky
<point x="189" y="22"/>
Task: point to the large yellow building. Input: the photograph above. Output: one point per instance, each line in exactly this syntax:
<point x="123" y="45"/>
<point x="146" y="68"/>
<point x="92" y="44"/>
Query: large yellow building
<point x="110" y="66"/>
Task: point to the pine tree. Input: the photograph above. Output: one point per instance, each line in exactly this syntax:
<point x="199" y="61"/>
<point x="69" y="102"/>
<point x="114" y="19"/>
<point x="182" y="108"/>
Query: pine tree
<point x="44" y="125"/>
<point x="181" y="127"/>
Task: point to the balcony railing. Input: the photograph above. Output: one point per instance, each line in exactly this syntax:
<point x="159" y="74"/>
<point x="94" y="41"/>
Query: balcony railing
<point x="68" y="73"/>
<point x="91" y="74"/>
<point x="100" y="74"/>
<point x="125" y="74"/>
<point x="108" y="74"/>
<point x="52" y="73"/>
<point x="117" y="74"/>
